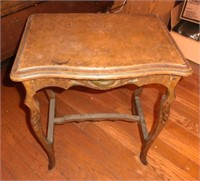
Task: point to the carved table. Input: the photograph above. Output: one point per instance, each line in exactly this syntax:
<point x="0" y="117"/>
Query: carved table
<point x="99" y="51"/>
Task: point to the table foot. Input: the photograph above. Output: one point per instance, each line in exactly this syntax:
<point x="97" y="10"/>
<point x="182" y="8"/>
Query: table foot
<point x="143" y="159"/>
<point x="51" y="156"/>
<point x="51" y="164"/>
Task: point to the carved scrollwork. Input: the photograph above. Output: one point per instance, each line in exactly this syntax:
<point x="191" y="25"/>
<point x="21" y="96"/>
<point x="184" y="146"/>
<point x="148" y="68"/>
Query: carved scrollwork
<point x="35" y="116"/>
<point x="104" y="84"/>
<point x="165" y="113"/>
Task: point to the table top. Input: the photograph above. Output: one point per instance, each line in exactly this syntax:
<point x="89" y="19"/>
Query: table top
<point x="96" y="46"/>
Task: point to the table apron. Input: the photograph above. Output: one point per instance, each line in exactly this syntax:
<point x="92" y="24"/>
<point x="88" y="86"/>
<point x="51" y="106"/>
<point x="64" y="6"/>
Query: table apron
<point x="165" y="80"/>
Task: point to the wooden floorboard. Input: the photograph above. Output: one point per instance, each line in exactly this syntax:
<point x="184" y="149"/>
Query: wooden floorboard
<point x="101" y="150"/>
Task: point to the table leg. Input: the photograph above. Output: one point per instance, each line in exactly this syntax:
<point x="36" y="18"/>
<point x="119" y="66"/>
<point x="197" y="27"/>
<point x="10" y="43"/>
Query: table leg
<point x="33" y="105"/>
<point x="161" y="119"/>
<point x="51" y="94"/>
<point x="138" y="111"/>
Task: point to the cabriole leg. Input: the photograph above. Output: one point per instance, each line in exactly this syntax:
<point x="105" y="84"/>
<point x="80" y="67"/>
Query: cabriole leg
<point x="33" y="105"/>
<point x="161" y="119"/>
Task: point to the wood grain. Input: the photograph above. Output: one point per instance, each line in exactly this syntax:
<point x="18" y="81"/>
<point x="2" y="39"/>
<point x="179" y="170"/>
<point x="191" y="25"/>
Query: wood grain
<point x="101" y="150"/>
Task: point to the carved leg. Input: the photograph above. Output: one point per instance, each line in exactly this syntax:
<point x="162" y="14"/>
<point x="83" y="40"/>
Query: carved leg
<point x="160" y="121"/>
<point x="33" y="105"/>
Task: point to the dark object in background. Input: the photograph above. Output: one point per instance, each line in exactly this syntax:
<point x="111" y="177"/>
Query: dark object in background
<point x="15" y="13"/>
<point x="188" y="29"/>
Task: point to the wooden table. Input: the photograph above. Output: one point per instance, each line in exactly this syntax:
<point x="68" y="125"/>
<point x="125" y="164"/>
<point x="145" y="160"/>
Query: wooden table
<point x="99" y="51"/>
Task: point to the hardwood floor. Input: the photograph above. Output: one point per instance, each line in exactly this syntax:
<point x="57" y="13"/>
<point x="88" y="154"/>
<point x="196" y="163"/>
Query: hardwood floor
<point x="101" y="150"/>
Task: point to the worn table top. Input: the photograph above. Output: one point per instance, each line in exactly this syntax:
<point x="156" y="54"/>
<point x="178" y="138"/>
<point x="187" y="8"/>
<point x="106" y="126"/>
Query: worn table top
<point x="96" y="46"/>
